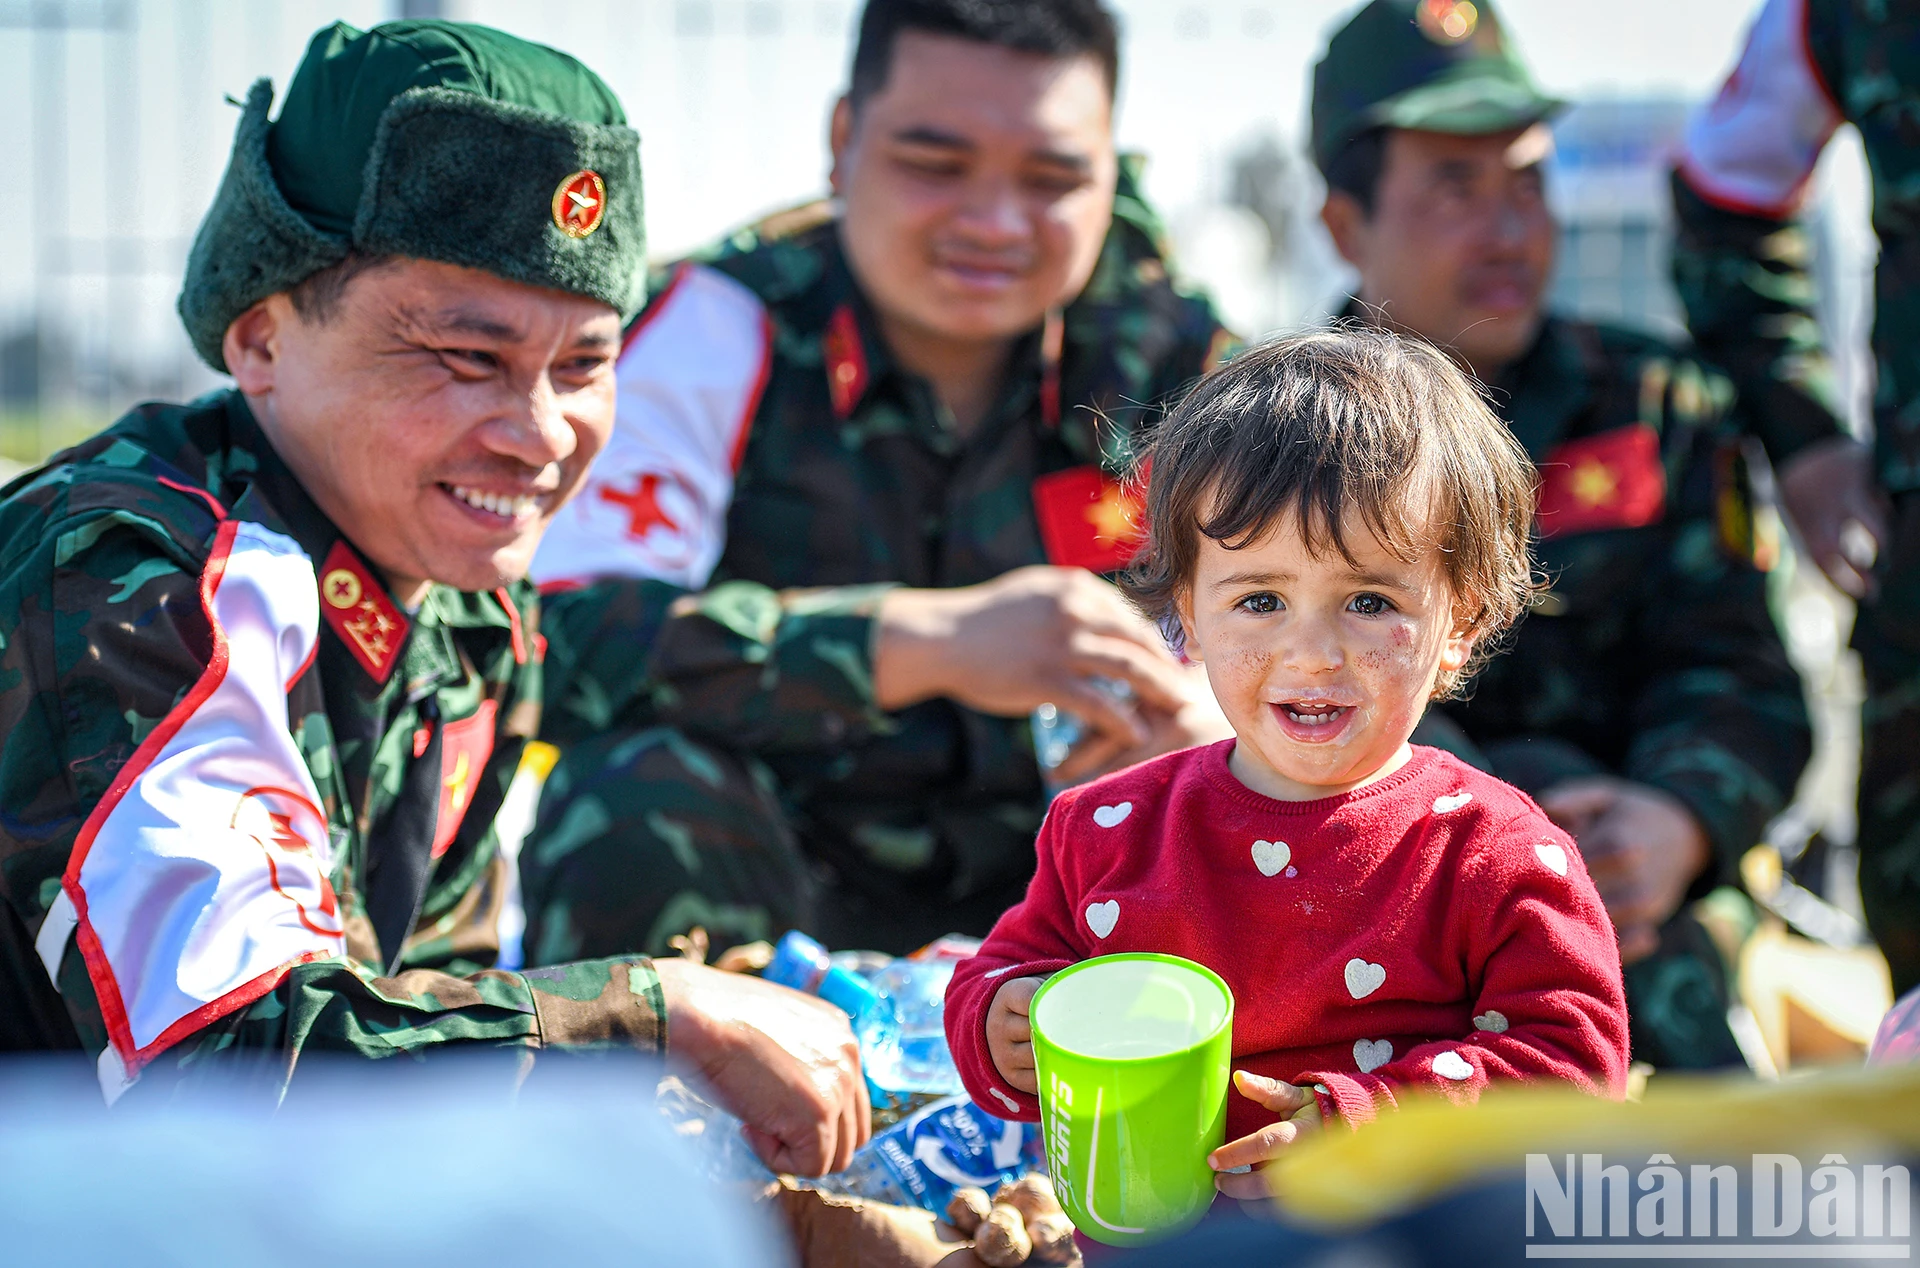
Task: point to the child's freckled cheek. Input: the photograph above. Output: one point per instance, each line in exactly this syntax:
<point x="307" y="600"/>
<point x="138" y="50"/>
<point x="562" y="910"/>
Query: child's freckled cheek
<point x="1252" y="662"/>
<point x="1398" y="653"/>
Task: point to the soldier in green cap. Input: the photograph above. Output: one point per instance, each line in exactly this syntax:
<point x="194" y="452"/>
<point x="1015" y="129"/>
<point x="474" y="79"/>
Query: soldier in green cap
<point x="890" y="431"/>
<point x="271" y="657"/>
<point x="1743" y="264"/>
<point x="1646" y="701"/>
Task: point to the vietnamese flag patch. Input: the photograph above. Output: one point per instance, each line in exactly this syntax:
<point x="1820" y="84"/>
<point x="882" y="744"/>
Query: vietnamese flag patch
<point x="1612" y="480"/>
<point x="1088" y="519"/>
<point x="465" y="747"/>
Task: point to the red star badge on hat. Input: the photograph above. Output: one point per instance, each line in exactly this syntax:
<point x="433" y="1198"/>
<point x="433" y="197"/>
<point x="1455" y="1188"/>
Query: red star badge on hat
<point x="580" y="203"/>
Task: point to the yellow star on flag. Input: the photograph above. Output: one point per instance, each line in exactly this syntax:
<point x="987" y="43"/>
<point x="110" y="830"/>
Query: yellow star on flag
<point x="1112" y="516"/>
<point x="1593" y="483"/>
<point x="457" y="784"/>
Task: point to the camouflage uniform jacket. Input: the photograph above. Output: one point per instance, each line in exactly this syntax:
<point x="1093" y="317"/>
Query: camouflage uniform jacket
<point x="765" y="436"/>
<point x="1652" y="655"/>
<point x="210" y="711"/>
<point x="1742" y="263"/>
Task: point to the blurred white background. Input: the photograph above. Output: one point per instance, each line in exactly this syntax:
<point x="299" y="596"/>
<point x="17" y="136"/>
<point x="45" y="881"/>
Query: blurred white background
<point x="114" y="131"/>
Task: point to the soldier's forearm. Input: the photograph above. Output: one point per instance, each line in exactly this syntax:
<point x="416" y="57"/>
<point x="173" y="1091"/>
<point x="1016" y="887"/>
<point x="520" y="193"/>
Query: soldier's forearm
<point x="913" y="635"/>
<point x="1749" y="298"/>
<point x="341" y="1008"/>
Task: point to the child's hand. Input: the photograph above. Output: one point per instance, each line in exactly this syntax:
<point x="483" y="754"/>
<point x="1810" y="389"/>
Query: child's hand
<point x="1299" y="1111"/>
<point x="1010" y="1034"/>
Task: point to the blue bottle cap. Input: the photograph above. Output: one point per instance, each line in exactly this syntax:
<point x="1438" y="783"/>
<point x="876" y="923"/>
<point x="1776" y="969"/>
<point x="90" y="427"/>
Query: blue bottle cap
<point x="798" y="961"/>
<point x="847" y="991"/>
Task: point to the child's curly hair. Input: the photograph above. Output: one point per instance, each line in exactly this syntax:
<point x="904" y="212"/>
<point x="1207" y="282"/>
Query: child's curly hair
<point x="1348" y="419"/>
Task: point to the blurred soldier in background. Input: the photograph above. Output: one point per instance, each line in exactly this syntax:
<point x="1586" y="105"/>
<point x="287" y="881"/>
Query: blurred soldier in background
<point x="1646" y="701"/>
<point x="1742" y="267"/>
<point x="271" y="657"/>
<point x="882" y="434"/>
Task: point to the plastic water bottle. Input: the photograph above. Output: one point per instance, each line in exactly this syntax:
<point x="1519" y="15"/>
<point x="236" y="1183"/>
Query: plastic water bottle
<point x="898" y="1017"/>
<point x="713" y="1135"/>
<point x="803" y="964"/>
<point x="1055" y="731"/>
<point x="903" y="1040"/>
<point x="951" y="1144"/>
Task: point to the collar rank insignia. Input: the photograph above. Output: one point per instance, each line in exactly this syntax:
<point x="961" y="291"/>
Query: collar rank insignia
<point x="846" y="360"/>
<point x="580" y="203"/>
<point x="357" y="607"/>
<point x="1612" y="480"/>
<point x="1088" y="519"/>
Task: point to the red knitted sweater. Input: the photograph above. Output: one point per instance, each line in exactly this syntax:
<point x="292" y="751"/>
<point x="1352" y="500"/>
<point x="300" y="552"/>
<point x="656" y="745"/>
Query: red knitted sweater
<point x="1432" y="930"/>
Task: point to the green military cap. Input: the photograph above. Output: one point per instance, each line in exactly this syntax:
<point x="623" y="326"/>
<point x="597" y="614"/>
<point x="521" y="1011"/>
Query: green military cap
<point x="1432" y="65"/>
<point x="436" y="140"/>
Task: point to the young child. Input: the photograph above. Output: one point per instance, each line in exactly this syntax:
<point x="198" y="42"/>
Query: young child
<point x="1338" y="529"/>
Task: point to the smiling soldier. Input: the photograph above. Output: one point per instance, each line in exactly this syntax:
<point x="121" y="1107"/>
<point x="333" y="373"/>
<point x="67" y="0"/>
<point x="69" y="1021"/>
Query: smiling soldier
<point x="271" y="657"/>
<point x="889" y="429"/>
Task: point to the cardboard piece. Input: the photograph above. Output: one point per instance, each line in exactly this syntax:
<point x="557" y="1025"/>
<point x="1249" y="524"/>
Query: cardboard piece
<point x="1816" y="1005"/>
<point x="831" y="1231"/>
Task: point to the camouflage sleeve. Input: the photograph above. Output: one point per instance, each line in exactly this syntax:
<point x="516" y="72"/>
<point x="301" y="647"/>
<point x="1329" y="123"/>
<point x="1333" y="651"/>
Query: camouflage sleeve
<point x="341" y="1007"/>
<point x="1741" y="258"/>
<point x="109" y="645"/>
<point x="771" y="670"/>
<point x="1719" y="718"/>
<point x="1749" y="298"/>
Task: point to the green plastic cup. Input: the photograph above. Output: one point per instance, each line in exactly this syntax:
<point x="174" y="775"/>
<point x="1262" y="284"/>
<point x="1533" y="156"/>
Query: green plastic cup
<point x="1132" y="1055"/>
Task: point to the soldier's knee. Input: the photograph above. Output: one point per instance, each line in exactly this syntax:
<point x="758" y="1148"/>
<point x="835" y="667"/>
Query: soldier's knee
<point x="643" y="835"/>
<point x="653" y="793"/>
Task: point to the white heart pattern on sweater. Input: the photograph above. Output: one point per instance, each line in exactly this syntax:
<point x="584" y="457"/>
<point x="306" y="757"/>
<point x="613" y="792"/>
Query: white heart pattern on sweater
<point x="1451" y="1065"/>
<point x="1371" y="1054"/>
<point x="1101" y="917"/>
<point x="1450" y="802"/>
<point x="1112" y="816"/>
<point x="1553" y="856"/>
<point x="1364" y="979"/>
<point x="1491" y="1020"/>
<point x="1271" y="856"/>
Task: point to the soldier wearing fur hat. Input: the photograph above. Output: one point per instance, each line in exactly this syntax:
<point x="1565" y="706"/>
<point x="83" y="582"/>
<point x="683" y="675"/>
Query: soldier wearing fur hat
<point x="271" y="657"/>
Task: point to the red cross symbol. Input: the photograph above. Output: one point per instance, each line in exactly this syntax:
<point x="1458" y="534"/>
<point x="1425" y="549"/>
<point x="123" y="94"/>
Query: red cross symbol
<point x="642" y="505"/>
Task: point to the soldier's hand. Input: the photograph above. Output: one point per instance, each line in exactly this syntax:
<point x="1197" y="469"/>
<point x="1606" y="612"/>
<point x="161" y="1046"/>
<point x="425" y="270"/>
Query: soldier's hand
<point x="1033" y="636"/>
<point x="784" y="1063"/>
<point x="1829" y="490"/>
<point x="1198" y="720"/>
<point x="1643" y="848"/>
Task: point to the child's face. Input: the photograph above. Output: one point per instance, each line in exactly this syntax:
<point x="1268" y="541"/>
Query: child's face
<point x="1323" y="667"/>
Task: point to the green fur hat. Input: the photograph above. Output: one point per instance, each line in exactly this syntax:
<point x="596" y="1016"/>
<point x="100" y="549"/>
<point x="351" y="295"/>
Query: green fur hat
<point x="436" y="140"/>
